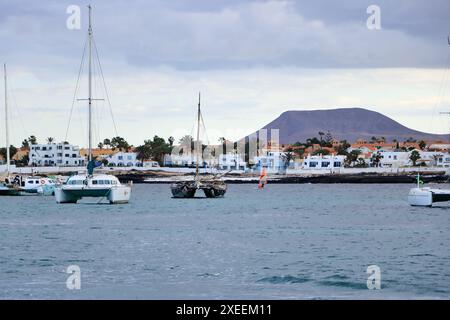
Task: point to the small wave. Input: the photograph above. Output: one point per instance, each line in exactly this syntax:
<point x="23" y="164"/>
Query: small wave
<point x="343" y="284"/>
<point x="284" y="279"/>
<point x="207" y="274"/>
<point x="422" y="255"/>
<point x="337" y="277"/>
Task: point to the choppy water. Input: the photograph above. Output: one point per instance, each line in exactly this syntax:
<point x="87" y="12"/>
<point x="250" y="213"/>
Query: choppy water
<point x="285" y="242"/>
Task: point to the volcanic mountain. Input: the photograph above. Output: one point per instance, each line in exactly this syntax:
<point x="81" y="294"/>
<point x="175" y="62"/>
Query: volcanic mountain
<point x="344" y="123"/>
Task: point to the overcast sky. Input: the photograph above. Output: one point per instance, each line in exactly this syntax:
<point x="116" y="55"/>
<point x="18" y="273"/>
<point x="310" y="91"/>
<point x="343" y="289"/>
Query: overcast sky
<point x="251" y="60"/>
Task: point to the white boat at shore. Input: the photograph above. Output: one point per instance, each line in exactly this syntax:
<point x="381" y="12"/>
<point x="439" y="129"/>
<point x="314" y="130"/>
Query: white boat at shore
<point x="425" y="196"/>
<point x="92" y="185"/>
<point x="37" y="185"/>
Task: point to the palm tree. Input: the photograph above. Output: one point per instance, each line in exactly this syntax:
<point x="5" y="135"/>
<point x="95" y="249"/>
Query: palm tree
<point x="422" y="144"/>
<point x="376" y="158"/>
<point x="287" y="157"/>
<point x="352" y="157"/>
<point x="50" y="140"/>
<point x="171" y="141"/>
<point x="25" y="143"/>
<point x="32" y="139"/>
<point x="222" y="141"/>
<point x="415" y="155"/>
<point x="186" y="141"/>
<point x="107" y="142"/>
<point x="321" y="134"/>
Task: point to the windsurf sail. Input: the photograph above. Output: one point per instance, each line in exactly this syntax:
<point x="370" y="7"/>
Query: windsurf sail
<point x="262" y="179"/>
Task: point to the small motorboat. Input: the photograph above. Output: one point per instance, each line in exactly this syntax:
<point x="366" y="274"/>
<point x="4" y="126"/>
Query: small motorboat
<point x="425" y="197"/>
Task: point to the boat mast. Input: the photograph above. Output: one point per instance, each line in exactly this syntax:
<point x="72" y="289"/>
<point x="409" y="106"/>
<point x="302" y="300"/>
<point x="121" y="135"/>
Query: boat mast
<point x="8" y="160"/>
<point x="198" y="137"/>
<point x="90" y="85"/>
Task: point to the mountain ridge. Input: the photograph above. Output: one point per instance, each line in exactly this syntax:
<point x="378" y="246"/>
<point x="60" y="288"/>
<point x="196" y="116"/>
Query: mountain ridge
<point x="343" y="123"/>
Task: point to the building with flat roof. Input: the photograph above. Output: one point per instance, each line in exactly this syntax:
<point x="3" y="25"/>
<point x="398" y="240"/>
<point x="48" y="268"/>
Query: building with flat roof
<point x="55" y="154"/>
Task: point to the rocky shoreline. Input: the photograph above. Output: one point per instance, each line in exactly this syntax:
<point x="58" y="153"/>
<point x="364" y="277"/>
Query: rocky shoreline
<point x="410" y="177"/>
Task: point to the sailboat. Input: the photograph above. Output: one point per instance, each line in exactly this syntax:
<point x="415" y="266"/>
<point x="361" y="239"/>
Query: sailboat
<point x="425" y="196"/>
<point x="262" y="179"/>
<point x="19" y="185"/>
<point x="92" y="185"/>
<point x="213" y="187"/>
<point x="7" y="188"/>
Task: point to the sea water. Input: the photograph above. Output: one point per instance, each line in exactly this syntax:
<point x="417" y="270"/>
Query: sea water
<point x="293" y="241"/>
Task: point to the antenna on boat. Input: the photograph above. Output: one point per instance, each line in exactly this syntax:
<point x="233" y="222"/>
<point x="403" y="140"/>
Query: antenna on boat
<point x="90" y="165"/>
<point x="198" y="135"/>
<point x="90" y="84"/>
<point x="8" y="155"/>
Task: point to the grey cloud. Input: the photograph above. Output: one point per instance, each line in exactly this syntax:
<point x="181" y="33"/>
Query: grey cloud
<point x="233" y="34"/>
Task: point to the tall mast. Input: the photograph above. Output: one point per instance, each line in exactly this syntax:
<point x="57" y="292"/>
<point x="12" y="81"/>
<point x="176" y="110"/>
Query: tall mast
<point x="8" y="160"/>
<point x="90" y="85"/>
<point x="198" y="137"/>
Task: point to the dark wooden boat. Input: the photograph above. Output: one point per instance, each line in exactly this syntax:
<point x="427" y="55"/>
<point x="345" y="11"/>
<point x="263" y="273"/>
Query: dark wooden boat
<point x="213" y="187"/>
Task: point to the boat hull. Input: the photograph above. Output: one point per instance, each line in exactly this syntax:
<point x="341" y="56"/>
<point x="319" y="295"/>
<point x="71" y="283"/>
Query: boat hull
<point x="215" y="189"/>
<point x="115" y="195"/>
<point x="9" y="192"/>
<point x="211" y="189"/>
<point x="183" y="189"/>
<point x="425" y="197"/>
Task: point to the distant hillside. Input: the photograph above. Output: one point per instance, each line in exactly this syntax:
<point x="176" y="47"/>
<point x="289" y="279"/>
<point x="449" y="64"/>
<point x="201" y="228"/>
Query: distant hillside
<point x="344" y="123"/>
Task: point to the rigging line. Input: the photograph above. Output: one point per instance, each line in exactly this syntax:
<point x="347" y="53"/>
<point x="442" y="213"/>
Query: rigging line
<point x="441" y="87"/>
<point x="101" y="108"/>
<point x="206" y="135"/>
<point x="204" y="128"/>
<point x="16" y="106"/>
<point x="104" y="85"/>
<point x="441" y="96"/>
<point x="96" y="123"/>
<point x="100" y="104"/>
<point x="76" y="87"/>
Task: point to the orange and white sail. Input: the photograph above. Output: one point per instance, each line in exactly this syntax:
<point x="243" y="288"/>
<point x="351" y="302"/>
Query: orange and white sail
<point x="262" y="178"/>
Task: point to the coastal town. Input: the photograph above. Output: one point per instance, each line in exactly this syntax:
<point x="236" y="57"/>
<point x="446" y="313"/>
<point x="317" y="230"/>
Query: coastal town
<point x="324" y="154"/>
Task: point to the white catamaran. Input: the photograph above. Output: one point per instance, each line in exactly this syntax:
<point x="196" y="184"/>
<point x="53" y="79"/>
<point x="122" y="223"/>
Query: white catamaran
<point x="91" y="185"/>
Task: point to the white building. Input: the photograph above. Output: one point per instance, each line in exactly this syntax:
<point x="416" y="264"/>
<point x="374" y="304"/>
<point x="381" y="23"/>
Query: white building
<point x="232" y="161"/>
<point x="187" y="160"/>
<point x="273" y="161"/>
<point x="150" y="164"/>
<point x="55" y="154"/>
<point x="443" y="160"/>
<point x="124" y="159"/>
<point x="396" y="159"/>
<point x="179" y="160"/>
<point x="323" y="162"/>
